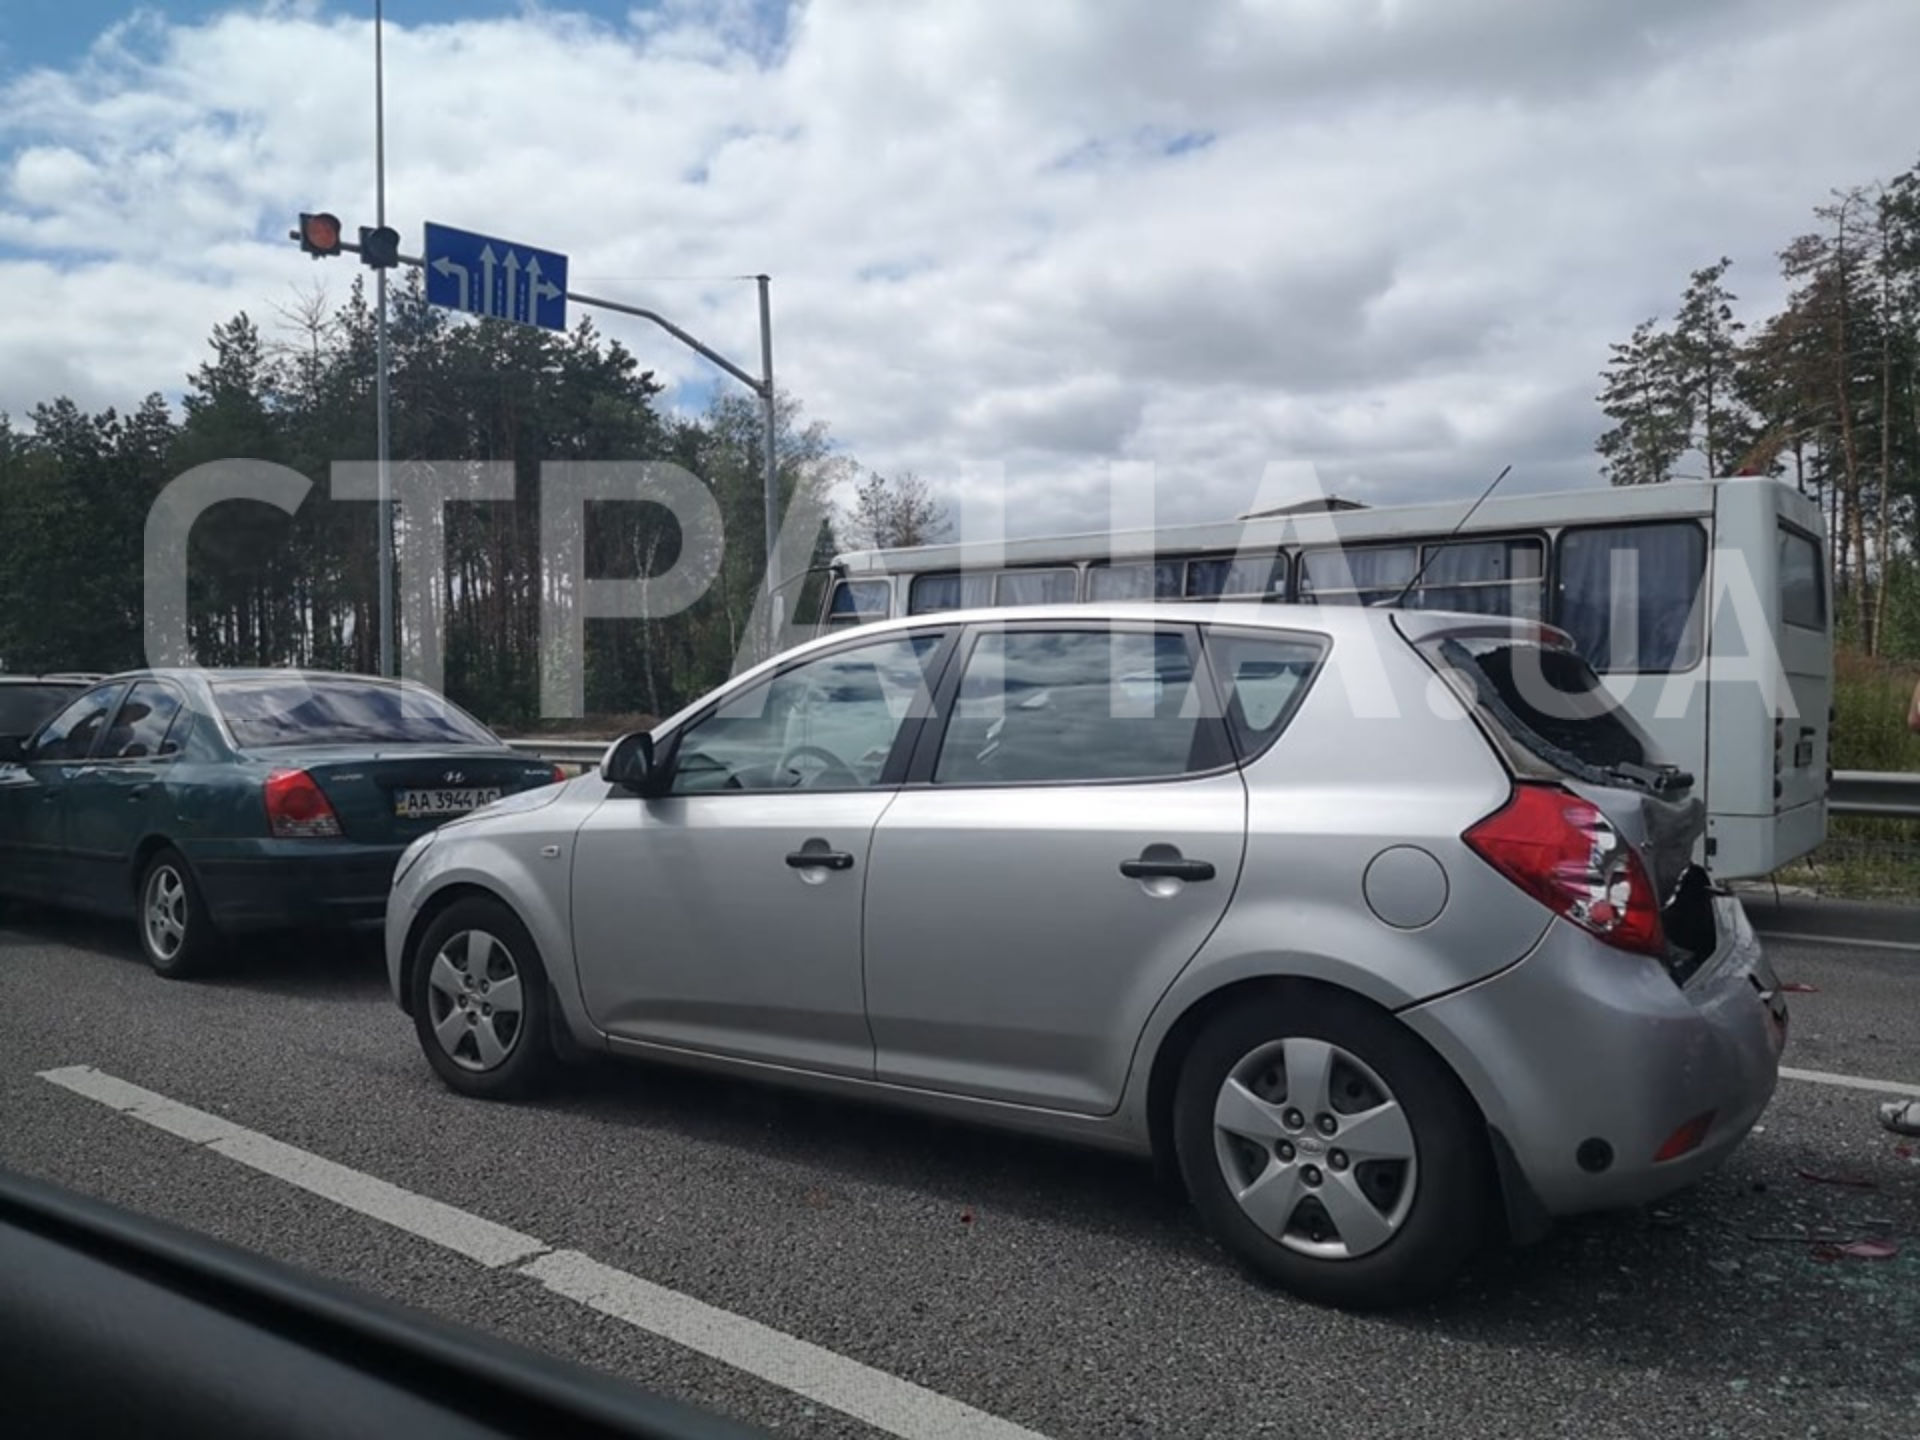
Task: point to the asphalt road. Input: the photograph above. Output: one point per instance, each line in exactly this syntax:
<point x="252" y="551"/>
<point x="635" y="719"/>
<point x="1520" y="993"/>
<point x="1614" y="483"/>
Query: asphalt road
<point x="1057" y="1290"/>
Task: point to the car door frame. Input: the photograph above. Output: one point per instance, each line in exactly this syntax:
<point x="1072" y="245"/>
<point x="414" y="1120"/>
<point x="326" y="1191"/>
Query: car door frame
<point x="51" y="781"/>
<point x="887" y="783"/>
<point x="906" y="742"/>
<point x="931" y="734"/>
<point x="1214" y="745"/>
<point x="104" y="880"/>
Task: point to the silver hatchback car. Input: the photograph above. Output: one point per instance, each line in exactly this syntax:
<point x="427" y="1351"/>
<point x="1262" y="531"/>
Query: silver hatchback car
<point x="1382" y="931"/>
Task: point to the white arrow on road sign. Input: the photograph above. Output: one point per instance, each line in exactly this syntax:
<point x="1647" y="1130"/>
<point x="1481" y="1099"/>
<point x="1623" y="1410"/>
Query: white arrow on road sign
<point x="487" y="262"/>
<point x="451" y="269"/>
<point x="538" y="287"/>
<point x="513" y="309"/>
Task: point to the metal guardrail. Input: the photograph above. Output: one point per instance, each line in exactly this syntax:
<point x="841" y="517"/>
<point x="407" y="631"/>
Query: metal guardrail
<point x="1883" y="795"/>
<point x="564" y="752"/>
<point x="579" y="756"/>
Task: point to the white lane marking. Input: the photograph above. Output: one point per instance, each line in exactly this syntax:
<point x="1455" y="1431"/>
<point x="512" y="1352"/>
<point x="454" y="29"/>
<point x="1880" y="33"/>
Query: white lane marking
<point x="1850" y="1082"/>
<point x="1838" y="942"/>
<point x="479" y="1240"/>
<point x="886" y="1402"/>
<point x="158" y="1111"/>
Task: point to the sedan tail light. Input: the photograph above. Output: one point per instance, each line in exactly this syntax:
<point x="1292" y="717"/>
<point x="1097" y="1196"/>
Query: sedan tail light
<point x="297" y="809"/>
<point x="1565" y="853"/>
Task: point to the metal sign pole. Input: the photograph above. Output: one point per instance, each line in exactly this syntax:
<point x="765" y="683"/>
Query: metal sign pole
<point x="772" y="467"/>
<point x="464" y="272"/>
<point x="383" y="507"/>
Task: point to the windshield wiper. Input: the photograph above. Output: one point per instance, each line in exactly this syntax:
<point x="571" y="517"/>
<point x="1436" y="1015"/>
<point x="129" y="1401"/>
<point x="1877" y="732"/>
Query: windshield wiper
<point x="1660" y="779"/>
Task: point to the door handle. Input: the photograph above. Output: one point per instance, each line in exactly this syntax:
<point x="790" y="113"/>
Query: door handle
<point x="1167" y="869"/>
<point x="138" y="792"/>
<point x="820" y="860"/>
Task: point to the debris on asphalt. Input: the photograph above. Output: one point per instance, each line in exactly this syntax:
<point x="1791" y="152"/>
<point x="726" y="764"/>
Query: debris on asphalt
<point x="1799" y="987"/>
<point x="1857" y="1250"/>
<point x="1849" y="1182"/>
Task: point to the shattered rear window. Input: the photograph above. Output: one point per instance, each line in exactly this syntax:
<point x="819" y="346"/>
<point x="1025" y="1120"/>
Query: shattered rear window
<point x="1550" y="704"/>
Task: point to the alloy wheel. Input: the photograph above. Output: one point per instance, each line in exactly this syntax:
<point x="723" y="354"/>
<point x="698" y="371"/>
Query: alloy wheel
<point x="165" y="913"/>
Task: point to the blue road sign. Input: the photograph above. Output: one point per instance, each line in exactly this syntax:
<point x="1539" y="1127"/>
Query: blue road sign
<point x="483" y="275"/>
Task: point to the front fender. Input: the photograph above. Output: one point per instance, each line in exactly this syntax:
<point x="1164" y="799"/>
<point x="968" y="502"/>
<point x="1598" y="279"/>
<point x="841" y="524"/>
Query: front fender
<point x="529" y="871"/>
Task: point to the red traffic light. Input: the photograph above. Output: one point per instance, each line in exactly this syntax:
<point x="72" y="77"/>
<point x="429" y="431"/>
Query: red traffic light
<point x="319" y="234"/>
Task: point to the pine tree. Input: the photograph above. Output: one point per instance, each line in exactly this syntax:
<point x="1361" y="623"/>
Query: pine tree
<point x="1644" y="396"/>
<point x="1704" y="350"/>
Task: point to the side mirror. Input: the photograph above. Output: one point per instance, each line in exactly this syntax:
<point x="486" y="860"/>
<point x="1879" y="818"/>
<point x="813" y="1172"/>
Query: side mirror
<point x="629" y="764"/>
<point x="13" y="749"/>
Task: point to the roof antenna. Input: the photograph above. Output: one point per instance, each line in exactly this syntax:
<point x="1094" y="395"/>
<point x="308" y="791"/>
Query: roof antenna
<point x="1400" y="599"/>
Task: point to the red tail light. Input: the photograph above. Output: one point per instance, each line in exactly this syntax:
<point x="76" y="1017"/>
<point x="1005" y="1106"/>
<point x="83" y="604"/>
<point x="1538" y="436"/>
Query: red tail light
<point x="559" y="774"/>
<point x="297" y="809"/>
<point x="1566" y="854"/>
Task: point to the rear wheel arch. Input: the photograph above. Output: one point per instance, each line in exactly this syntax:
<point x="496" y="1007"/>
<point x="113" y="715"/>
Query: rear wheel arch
<point x="1397" y="1221"/>
<point x="143" y="854"/>
<point x="1163" y="1080"/>
<point x="188" y="922"/>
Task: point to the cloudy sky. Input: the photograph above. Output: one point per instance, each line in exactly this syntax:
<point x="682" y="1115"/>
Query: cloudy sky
<point x="1377" y="246"/>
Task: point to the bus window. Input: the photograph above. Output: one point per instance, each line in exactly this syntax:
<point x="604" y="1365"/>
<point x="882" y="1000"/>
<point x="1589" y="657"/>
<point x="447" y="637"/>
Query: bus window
<point x="1628" y="595"/>
<point x="1256" y="577"/>
<point x="950" y="592"/>
<point x="1803" y="600"/>
<point x="1356" y="574"/>
<point x="1484" y="577"/>
<point x="1159" y="581"/>
<point x="855" y="602"/>
<point x="1036" y="587"/>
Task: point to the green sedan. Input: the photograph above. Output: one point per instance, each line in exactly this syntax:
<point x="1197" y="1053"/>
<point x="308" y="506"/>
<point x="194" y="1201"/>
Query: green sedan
<point x="206" y="804"/>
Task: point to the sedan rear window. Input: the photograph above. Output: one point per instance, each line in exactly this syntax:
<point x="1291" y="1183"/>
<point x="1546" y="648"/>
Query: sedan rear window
<point x="24" y="707"/>
<point x="321" y="711"/>
<point x="1548" y="707"/>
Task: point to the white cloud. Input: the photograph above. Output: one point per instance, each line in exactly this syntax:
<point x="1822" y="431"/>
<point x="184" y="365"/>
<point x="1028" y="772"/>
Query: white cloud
<point x="1389" y="240"/>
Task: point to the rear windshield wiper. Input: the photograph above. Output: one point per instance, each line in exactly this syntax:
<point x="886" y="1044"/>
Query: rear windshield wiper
<point x="1661" y="779"/>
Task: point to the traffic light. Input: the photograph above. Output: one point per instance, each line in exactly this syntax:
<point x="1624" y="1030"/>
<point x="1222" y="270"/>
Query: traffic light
<point x="318" y="234"/>
<point x="379" y="246"/>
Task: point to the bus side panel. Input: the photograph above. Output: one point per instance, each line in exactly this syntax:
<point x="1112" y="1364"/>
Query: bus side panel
<point x="1802" y="754"/>
<point x="1768" y="729"/>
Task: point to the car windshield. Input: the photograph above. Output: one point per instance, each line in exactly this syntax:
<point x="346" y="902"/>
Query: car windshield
<point x="292" y="710"/>
<point x="23" y="708"/>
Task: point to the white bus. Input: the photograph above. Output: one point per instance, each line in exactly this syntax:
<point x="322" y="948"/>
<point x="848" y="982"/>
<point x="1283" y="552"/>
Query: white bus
<point x="1643" y="578"/>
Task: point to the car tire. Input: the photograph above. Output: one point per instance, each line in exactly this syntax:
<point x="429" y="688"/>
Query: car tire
<point x="459" y="972"/>
<point x="1356" y="1228"/>
<point x="177" y="935"/>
